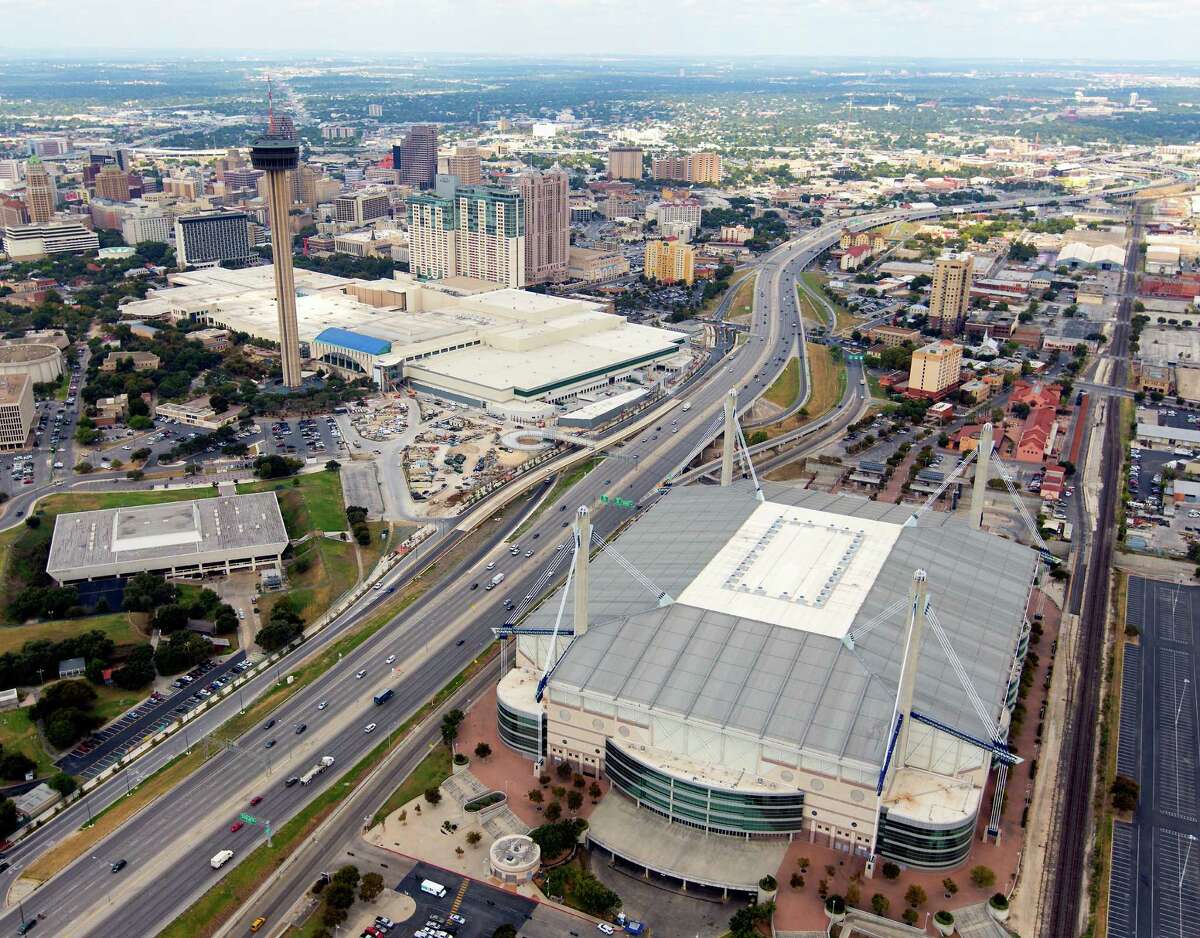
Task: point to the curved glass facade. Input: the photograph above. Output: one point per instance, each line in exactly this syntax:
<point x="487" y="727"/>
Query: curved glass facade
<point x="925" y="848"/>
<point x="703" y="806"/>
<point x="519" y="731"/>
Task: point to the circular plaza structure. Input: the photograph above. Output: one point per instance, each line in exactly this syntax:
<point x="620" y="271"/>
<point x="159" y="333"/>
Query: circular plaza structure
<point x="514" y="858"/>
<point x="43" y="363"/>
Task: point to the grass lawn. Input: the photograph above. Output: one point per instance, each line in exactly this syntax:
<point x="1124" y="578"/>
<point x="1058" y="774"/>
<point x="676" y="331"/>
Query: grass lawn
<point x="331" y="570"/>
<point x="844" y="321"/>
<point x="311" y="502"/>
<point x="115" y="625"/>
<point x="784" y="391"/>
<point x="432" y="770"/>
<point x="111" y="702"/>
<point x="742" y="303"/>
<point x="19" y="734"/>
<point x="828" y="386"/>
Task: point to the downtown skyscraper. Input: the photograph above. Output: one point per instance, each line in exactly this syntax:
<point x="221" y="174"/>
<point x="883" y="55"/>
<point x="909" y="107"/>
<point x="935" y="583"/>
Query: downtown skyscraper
<point x="415" y="157"/>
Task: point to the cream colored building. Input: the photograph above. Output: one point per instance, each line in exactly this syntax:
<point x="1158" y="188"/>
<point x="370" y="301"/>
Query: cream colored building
<point x="40" y="192"/>
<point x="596" y="266"/>
<point x="16" y="410"/>
<point x="951" y="295"/>
<point x="670" y="262"/>
<point x="935" y="368"/>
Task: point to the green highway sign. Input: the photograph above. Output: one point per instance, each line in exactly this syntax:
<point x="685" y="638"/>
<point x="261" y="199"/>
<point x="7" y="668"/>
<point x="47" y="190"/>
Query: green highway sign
<point x="619" y="502"/>
<point x="248" y="818"/>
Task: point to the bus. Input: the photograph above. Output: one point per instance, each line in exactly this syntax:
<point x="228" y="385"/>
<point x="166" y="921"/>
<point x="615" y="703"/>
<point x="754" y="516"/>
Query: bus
<point x="434" y="889"/>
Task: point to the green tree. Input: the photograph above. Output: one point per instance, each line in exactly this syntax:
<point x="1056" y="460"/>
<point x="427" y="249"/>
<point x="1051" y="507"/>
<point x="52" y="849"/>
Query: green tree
<point x="432" y="795"/>
<point x="880" y="904"/>
<point x="482" y="750"/>
<point x="370" y="888"/>
<point x="982" y="877"/>
<point x="915" y="896"/>
<point x="63" y="783"/>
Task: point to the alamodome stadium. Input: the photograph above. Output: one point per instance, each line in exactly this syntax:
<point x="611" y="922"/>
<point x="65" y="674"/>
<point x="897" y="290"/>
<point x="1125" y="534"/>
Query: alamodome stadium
<point x="752" y="665"/>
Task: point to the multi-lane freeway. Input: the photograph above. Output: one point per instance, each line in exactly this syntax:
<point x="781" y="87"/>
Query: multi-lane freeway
<point x="168" y="845"/>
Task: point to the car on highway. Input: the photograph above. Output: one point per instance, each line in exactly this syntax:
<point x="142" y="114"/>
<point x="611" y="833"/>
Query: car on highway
<point x="323" y="704"/>
<point x="292" y="780"/>
<point x="236" y="826"/>
<point x="27" y="926"/>
<point x="118" y="866"/>
<point x="300" y="728"/>
<point x="361" y="674"/>
<point x="255" y="801"/>
<point x="370" y="727"/>
<point x="528" y="553"/>
<point x="269" y="744"/>
<point x="257" y="923"/>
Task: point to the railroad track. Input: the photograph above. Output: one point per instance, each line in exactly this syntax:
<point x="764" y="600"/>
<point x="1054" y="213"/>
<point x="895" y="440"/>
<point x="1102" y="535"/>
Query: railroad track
<point x="1070" y="858"/>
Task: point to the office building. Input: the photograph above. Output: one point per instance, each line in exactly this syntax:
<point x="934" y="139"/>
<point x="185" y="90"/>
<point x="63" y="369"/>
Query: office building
<point x="16" y="410"/>
<point x="780" y="682"/>
<point x="281" y="125"/>
<point x="50" y="146"/>
<point x="935" y="369"/>
<point x="207" y="238"/>
<point x="464" y="163"/>
<point x="625" y="163"/>
<point x="337" y="132"/>
<point x="187" y="188"/>
<point x="547" y="224"/>
<point x="415" y="157"/>
<point x="204" y="537"/>
<point x="277" y="157"/>
<point x="41" y="195"/>
<point x="951" y="296"/>
<point x="374" y="110"/>
<point x="11" y="171"/>
<point x="240" y="178"/>
<point x="362" y="207"/>
<point x="693" y="167"/>
<point x="112" y="182"/>
<point x="13" y="212"/>
<point x="670" y="262"/>
<point x="145" y="223"/>
<point x="31" y="242"/>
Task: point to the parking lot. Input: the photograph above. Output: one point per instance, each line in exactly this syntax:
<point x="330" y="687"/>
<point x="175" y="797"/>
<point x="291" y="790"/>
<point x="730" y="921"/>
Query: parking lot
<point x="1155" y="877"/>
<point x="108" y="744"/>
<point x="316" y="437"/>
<point x="483" y="908"/>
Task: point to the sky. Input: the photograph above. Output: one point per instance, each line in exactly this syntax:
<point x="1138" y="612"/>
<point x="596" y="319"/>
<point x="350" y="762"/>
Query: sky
<point x="1118" y="30"/>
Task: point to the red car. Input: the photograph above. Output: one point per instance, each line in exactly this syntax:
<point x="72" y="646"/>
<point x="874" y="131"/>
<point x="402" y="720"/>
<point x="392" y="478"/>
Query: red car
<point x="257" y="799"/>
<point x="235" y="827"/>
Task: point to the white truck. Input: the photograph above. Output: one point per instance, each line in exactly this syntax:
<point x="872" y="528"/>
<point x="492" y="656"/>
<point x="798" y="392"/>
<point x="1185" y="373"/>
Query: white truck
<point x="221" y="859"/>
<point x="307" y="777"/>
<point x="497" y="579"/>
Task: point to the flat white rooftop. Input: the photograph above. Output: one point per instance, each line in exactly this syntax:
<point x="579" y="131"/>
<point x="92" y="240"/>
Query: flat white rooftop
<point x="795" y="567"/>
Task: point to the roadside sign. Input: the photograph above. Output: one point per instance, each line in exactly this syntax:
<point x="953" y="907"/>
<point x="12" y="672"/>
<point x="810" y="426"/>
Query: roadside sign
<point x="248" y="818"/>
<point x="619" y="502"/>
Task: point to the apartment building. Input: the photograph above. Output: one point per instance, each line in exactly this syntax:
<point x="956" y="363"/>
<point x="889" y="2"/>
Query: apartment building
<point x="545" y="198"/>
<point x="625" y="163"/>
<point x="670" y="262"/>
<point x="935" y="370"/>
<point x="951" y="296"/>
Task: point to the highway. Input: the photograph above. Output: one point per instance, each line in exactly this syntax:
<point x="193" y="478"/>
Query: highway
<point x="168" y="845"/>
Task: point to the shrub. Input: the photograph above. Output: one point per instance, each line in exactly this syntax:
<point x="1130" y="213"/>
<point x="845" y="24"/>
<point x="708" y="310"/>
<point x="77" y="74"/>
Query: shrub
<point x="891" y="871"/>
<point x="563" y="770"/>
<point x="942" y="917"/>
<point x="536" y="796"/>
<point x="999" y="901"/>
<point x="574" y="800"/>
<point x="370" y="888"/>
<point x="982" y="877"/>
<point x="1124" y="793"/>
<point x="910" y="916"/>
<point x="432" y="795"/>
<point x="797" y="881"/>
<point x="915" y="896"/>
<point x="553" y="811"/>
<point x="474" y="837"/>
<point x="950" y="886"/>
<point x="768" y="883"/>
<point x="880" y="904"/>
<point x="483" y="750"/>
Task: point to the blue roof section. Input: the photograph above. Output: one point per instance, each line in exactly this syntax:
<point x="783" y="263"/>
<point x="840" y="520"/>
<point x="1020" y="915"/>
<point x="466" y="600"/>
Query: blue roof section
<point x="355" y="341"/>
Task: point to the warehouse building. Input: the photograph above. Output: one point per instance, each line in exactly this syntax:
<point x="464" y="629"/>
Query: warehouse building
<point x="764" y="678"/>
<point x="184" y="539"/>
<point x="514" y="353"/>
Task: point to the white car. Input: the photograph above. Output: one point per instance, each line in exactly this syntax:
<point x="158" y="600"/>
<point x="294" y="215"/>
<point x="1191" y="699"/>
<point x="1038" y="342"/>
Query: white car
<point x="361" y="674"/>
<point x="323" y="704"/>
<point x="370" y="728"/>
<point x="605" y="927"/>
<point x="389" y="659"/>
<point x="1194" y="514"/>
